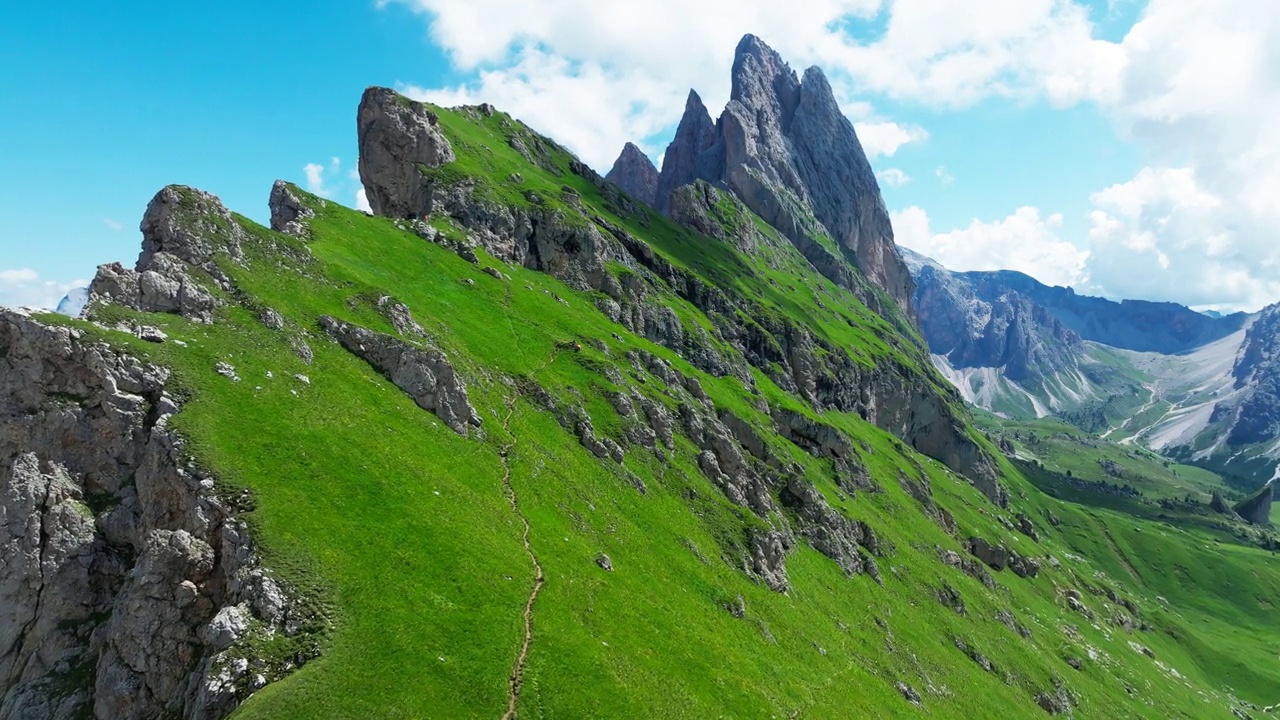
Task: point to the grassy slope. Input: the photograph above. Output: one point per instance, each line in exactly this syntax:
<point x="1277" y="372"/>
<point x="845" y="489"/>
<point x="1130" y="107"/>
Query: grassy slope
<point x="407" y="525"/>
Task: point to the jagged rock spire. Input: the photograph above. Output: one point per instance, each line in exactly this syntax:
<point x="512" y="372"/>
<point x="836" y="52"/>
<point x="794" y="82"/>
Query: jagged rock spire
<point x="785" y="148"/>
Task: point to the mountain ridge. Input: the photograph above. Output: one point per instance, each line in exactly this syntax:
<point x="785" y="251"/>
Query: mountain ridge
<point x="520" y="442"/>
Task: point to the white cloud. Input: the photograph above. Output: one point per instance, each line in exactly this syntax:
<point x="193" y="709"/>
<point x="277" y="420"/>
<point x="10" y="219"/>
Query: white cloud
<point x="882" y="139"/>
<point x="1200" y="89"/>
<point x="362" y="201"/>
<point x="318" y="176"/>
<point x="23" y="287"/>
<point x="1166" y="220"/>
<point x="893" y="177"/>
<point x="943" y="175"/>
<point x="1024" y="241"/>
<point x="113" y="224"/>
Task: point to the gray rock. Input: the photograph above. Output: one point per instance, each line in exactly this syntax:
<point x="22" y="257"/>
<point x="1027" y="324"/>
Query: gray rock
<point x="995" y="556"/>
<point x="289" y="214"/>
<point x="423" y="373"/>
<point x="1256" y="509"/>
<point x="182" y="227"/>
<point x="398" y="314"/>
<point x="784" y="147"/>
<point x="397" y="134"/>
<point x="635" y="173"/>
<point x="1023" y="566"/>
<point x="768" y="559"/>
<point x="271" y="319"/>
<point x="131" y="591"/>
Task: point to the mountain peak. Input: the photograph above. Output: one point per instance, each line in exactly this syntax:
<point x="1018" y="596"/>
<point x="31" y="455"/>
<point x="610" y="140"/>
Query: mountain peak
<point x="635" y="173"/>
<point x="781" y="141"/>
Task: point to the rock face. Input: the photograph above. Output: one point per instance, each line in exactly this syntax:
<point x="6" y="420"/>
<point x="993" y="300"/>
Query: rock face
<point x="634" y="172"/>
<point x="288" y="213"/>
<point x="121" y="564"/>
<point x="424" y="373"/>
<point x="985" y="325"/>
<point x="1257" y="509"/>
<point x="783" y="146"/>
<point x="1138" y="325"/>
<point x="1258" y="370"/>
<point x="395" y="136"/>
<point x="183" y="228"/>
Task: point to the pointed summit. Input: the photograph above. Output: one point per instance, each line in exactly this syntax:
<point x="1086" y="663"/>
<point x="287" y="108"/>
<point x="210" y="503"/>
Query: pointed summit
<point x="635" y="173"/>
<point x="695" y="152"/>
<point x="783" y="140"/>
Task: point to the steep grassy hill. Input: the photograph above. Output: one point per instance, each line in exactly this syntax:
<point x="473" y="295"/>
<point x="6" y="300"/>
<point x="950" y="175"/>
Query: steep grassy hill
<point x="675" y="523"/>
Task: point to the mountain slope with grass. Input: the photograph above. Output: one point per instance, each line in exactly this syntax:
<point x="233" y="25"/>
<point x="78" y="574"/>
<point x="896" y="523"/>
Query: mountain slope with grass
<point x="522" y="446"/>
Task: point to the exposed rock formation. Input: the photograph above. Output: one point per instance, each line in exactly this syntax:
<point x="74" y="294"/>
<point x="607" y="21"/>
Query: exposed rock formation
<point x="1257" y="509"/>
<point x="117" y="552"/>
<point x="182" y="228"/>
<point x="978" y="325"/>
<point x="288" y="213"/>
<point x="995" y="556"/>
<point x="424" y="373"/>
<point x="396" y="135"/>
<point x="634" y="172"/>
<point x="784" y="147"/>
<point x="1258" y="369"/>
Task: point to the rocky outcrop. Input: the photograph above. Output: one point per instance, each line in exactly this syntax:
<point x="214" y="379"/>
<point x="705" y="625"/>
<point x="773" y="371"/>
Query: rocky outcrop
<point x="424" y="372"/>
<point x="129" y="586"/>
<point x="183" y="228"/>
<point x="1256" y="510"/>
<point x="1258" y="370"/>
<point x="635" y="173"/>
<point x="995" y="556"/>
<point x="289" y="214"/>
<point x="783" y="146"/>
<point x="396" y="136"/>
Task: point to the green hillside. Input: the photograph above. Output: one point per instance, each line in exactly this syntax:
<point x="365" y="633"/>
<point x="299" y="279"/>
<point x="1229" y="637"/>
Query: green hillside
<point x="409" y="535"/>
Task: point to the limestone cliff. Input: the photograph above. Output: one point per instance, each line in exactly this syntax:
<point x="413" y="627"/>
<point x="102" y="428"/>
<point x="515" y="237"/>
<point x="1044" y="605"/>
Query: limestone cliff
<point x="783" y="146"/>
<point x="123" y="564"/>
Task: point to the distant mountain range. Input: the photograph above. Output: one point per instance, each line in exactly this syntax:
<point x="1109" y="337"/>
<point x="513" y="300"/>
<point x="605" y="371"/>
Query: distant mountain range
<point x="1201" y="387"/>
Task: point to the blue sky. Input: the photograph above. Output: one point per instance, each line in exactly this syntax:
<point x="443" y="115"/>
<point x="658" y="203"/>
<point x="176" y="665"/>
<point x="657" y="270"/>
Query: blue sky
<point x="1065" y="139"/>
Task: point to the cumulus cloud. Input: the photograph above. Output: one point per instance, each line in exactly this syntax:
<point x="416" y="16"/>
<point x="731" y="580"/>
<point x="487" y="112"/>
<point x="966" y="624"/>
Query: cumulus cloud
<point x="893" y="177"/>
<point x="319" y="176"/>
<point x="882" y="139"/>
<point x="362" y="201"/>
<point x="1200" y="89"/>
<point x="1167" y="219"/>
<point x="1024" y="241"/>
<point x="23" y="287"/>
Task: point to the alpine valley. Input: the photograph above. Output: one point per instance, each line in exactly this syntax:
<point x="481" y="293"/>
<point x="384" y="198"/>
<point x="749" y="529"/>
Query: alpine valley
<point x="530" y="442"/>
